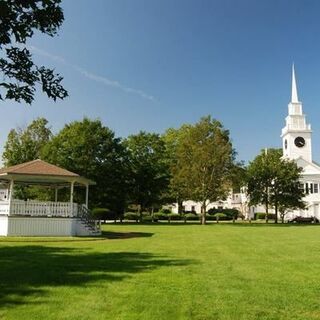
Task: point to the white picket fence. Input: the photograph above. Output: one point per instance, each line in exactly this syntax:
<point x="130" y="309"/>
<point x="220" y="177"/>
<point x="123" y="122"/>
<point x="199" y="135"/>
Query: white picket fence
<point x="39" y="208"/>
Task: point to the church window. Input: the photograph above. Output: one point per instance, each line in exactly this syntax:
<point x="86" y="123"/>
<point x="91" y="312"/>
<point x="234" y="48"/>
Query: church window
<point x="311" y="187"/>
<point x="316" y="188"/>
<point x="307" y="188"/>
<point x="193" y="209"/>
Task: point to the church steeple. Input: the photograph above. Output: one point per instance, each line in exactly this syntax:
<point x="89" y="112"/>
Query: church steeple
<point x="294" y="92"/>
<point x="296" y="135"/>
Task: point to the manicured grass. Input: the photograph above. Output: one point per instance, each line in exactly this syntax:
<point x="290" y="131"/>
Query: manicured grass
<point x="164" y="272"/>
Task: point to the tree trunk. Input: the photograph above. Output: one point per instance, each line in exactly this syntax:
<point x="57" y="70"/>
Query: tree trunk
<point x="276" y="213"/>
<point x="203" y="212"/>
<point x="282" y="217"/>
<point x="152" y="214"/>
<point x="180" y="202"/>
<point x="267" y="208"/>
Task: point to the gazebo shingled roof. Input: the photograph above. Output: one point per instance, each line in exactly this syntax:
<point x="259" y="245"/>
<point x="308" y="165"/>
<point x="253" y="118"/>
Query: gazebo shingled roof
<point x="39" y="170"/>
<point x="38" y="167"/>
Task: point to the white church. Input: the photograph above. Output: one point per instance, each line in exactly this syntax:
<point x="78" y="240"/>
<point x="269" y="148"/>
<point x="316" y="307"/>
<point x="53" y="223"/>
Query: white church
<point x="297" y="145"/>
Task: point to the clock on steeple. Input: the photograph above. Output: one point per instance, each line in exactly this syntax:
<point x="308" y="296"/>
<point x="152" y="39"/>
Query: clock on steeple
<point x="296" y="135"/>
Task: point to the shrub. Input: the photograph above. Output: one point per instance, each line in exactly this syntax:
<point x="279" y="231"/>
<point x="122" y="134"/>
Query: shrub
<point x="220" y="216"/>
<point x="231" y="213"/>
<point x="210" y="217"/>
<point x="191" y="217"/>
<point x="165" y="210"/>
<point x="173" y="216"/>
<point x="212" y="211"/>
<point x="103" y="214"/>
<point x="262" y="215"/>
<point x="160" y="216"/>
<point x="132" y="216"/>
<point x="147" y="218"/>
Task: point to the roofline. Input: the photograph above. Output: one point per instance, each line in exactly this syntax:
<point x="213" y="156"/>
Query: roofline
<point x="79" y="179"/>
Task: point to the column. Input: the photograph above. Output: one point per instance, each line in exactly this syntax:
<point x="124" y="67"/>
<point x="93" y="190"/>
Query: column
<point x="10" y="195"/>
<point x="71" y="198"/>
<point x="87" y="195"/>
<point x="56" y="194"/>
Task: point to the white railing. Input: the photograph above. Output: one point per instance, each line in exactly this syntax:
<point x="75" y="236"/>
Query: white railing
<point x="39" y="208"/>
<point x="4" y="207"/>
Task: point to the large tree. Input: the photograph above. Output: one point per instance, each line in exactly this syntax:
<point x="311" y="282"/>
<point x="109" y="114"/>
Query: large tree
<point x="205" y="159"/>
<point x="90" y="149"/>
<point x="26" y="144"/>
<point x="149" y="169"/>
<point x="19" y="19"/>
<point x="178" y="187"/>
<point x="274" y="182"/>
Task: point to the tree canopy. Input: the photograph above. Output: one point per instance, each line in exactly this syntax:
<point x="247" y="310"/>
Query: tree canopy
<point x="274" y="181"/>
<point x="205" y="158"/>
<point x="149" y="174"/>
<point x="19" y="19"/>
<point x="90" y="149"/>
<point x="26" y="144"/>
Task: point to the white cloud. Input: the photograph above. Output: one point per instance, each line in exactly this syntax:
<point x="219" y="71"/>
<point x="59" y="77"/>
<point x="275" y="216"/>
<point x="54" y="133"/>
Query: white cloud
<point x="106" y="81"/>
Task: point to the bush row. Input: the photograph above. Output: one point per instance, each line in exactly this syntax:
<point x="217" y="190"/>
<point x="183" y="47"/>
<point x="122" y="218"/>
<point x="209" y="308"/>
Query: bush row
<point x="133" y="216"/>
<point x="262" y="215"/>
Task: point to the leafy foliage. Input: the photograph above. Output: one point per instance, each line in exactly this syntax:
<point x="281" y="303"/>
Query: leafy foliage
<point x="274" y="181"/>
<point x="18" y="22"/>
<point x="148" y="168"/>
<point x="91" y="150"/>
<point x="205" y="158"/>
<point x="24" y="145"/>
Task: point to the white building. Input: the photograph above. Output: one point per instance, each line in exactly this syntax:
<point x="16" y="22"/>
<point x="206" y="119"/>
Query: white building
<point x="297" y="145"/>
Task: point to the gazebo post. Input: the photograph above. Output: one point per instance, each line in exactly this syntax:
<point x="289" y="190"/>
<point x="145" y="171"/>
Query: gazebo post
<point x="87" y="195"/>
<point x="56" y="194"/>
<point x="71" y="197"/>
<point x="10" y="195"/>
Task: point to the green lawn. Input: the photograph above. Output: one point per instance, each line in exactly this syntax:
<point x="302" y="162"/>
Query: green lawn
<point x="164" y="272"/>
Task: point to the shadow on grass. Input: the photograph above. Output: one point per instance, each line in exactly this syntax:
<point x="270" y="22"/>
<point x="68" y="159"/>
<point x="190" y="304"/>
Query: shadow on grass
<point x="124" y="235"/>
<point x="106" y="235"/>
<point x="27" y="270"/>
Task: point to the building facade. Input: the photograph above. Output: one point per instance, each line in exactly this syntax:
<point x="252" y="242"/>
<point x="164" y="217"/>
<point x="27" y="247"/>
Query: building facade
<point x="297" y="145"/>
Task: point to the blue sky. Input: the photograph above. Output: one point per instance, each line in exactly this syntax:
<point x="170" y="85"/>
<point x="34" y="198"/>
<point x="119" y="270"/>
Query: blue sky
<point x="149" y="65"/>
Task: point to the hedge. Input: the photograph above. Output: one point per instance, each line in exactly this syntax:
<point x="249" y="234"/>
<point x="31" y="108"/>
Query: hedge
<point x="191" y="217"/>
<point x="262" y="215"/>
<point x="103" y="214"/>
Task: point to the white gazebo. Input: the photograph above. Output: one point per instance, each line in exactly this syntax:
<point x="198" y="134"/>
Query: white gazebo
<point x="44" y="218"/>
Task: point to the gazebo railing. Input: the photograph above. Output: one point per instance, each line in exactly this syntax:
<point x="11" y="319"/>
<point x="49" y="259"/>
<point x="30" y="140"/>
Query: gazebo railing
<point x="39" y="208"/>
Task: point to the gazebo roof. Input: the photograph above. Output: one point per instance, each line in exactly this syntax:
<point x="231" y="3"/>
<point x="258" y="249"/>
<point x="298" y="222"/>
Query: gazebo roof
<point x="39" y="171"/>
<point x="38" y="167"/>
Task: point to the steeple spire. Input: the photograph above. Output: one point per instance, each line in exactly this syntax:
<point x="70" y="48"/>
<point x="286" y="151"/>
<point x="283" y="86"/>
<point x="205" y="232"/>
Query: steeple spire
<point x="294" y="93"/>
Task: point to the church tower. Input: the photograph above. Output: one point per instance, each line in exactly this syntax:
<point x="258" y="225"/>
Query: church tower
<point x="296" y="135"/>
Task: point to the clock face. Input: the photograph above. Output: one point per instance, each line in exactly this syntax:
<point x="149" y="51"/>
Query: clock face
<point x="299" y="142"/>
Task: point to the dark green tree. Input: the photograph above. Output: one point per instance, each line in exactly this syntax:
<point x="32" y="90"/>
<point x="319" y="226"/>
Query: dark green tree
<point x="149" y="170"/>
<point x="19" y="19"/>
<point x="91" y="150"/>
<point x="178" y="187"/>
<point x="274" y="182"/>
